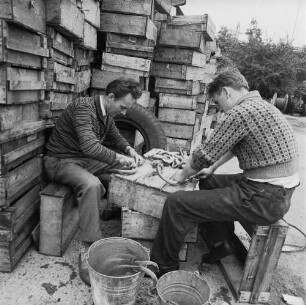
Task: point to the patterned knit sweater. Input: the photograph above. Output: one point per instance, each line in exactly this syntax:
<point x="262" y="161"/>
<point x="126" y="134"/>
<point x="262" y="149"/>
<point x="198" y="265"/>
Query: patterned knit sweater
<point x="258" y="134"/>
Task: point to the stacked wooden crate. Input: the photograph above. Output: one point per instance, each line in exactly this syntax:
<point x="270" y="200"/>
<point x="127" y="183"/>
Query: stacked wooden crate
<point x="23" y="59"/>
<point x="129" y="38"/>
<point x="181" y="70"/>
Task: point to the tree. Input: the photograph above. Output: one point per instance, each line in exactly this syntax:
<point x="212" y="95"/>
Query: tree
<point x="269" y="67"/>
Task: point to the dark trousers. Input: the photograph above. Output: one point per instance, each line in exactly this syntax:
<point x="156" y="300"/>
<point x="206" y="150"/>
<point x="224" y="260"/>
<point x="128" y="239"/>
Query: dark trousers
<point x="221" y="200"/>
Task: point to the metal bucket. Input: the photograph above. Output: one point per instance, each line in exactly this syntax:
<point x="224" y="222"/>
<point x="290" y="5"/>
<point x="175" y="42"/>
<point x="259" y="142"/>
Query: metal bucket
<point x="182" y="288"/>
<point x="112" y="290"/>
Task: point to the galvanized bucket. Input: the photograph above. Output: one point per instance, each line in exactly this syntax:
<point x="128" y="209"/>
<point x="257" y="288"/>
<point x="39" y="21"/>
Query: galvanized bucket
<point x="112" y="290"/>
<point x="182" y="288"/>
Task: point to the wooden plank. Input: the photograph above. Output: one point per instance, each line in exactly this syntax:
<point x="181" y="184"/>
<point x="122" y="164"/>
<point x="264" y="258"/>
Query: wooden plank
<point x="198" y="23"/>
<point x="26" y="85"/>
<point x="175" y="101"/>
<point x="83" y="79"/>
<point x="173" y="86"/>
<point x="29" y="14"/>
<point x="89" y="39"/>
<point x="180" y="116"/>
<point x="125" y="72"/>
<point x="124" y="24"/>
<point x="178" y="131"/>
<point x="22" y="48"/>
<point x="140" y="226"/>
<point x="182" y="39"/>
<point x="100" y="79"/>
<point x="177" y="144"/>
<point x="165" y="7"/>
<point x="133" y="7"/>
<point x="180" y="56"/>
<point x="11" y="115"/>
<point x="178" y="2"/>
<point x="91" y="9"/>
<point x="65" y="17"/>
<point x="181" y="72"/>
<point x="122" y="61"/>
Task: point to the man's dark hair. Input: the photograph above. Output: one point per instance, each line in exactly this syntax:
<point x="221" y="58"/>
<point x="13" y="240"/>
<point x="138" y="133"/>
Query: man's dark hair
<point x="227" y="78"/>
<point x="123" y="86"/>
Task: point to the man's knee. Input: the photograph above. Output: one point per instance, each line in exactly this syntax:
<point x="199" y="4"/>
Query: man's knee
<point x="174" y="200"/>
<point x="92" y="185"/>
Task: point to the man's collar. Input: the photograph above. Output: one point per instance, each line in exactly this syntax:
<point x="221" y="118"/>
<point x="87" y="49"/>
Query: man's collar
<point x="100" y="107"/>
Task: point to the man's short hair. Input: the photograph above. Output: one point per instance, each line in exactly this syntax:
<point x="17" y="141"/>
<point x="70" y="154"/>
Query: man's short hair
<point x="227" y="78"/>
<point x="123" y="86"/>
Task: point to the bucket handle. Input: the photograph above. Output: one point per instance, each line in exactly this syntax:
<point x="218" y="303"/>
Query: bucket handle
<point x="197" y="274"/>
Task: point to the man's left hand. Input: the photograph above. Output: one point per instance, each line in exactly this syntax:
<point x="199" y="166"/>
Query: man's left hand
<point x="139" y="160"/>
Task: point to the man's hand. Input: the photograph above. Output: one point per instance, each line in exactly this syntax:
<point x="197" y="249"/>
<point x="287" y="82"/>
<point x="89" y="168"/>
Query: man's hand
<point x="205" y="172"/>
<point x="139" y="160"/>
<point x="187" y="172"/>
<point x="126" y="161"/>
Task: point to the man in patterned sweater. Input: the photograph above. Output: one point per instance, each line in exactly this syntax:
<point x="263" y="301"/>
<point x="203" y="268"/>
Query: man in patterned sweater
<point x="77" y="153"/>
<point x="263" y="141"/>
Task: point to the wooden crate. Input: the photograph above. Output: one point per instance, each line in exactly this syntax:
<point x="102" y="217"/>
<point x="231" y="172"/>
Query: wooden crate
<point x="174" y="86"/>
<point x="66" y="18"/>
<point x="13" y="153"/>
<point x="61" y="48"/>
<point x="129" y="45"/>
<point x="175" y="101"/>
<point x="58" y="219"/>
<point x="83" y="58"/>
<point x="22" y="48"/>
<point x="91" y="9"/>
<point x="177" y="116"/>
<point x="133" y="7"/>
<point x="181" y="72"/>
<point x="125" y="64"/>
<point x="174" y="144"/>
<point x="123" y="24"/>
<point x="27" y="13"/>
<point x="60" y="77"/>
<point x="89" y="39"/>
<point x="197" y="23"/>
<point x="144" y="192"/>
<point x="12" y="115"/>
<point x="180" y="56"/>
<point x="165" y="7"/>
<point x="141" y="226"/>
<point x="18" y="181"/>
<point x="54" y="102"/>
<point x="182" y="39"/>
<point x="174" y="130"/>
<point x="20" y="86"/>
<point x="83" y="79"/>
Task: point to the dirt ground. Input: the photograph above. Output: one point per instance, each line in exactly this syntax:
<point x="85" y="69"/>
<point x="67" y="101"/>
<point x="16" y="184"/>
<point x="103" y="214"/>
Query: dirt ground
<point x="40" y="279"/>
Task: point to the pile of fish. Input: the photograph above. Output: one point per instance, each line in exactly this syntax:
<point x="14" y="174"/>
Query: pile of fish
<point x="168" y="158"/>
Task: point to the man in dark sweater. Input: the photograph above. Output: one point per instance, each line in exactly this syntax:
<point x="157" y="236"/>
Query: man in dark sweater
<point x="77" y="155"/>
<point x="263" y="141"/>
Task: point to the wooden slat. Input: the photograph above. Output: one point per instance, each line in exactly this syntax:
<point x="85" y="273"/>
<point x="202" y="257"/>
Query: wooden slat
<point x="125" y="72"/>
<point x="175" y="101"/>
<point x="178" y="131"/>
<point x="177" y="144"/>
<point x="26" y="85"/>
<point x="174" y="86"/>
<point x="180" y="116"/>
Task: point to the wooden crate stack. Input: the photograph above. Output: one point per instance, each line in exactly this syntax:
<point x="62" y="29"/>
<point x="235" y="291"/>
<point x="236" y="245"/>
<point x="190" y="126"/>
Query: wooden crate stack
<point x="23" y="59"/>
<point x="181" y="70"/>
<point x="129" y="36"/>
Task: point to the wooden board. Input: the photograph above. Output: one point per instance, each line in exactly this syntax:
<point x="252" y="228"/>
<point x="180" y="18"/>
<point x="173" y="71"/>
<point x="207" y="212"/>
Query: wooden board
<point x="60" y="77"/>
<point x="20" y="86"/>
<point x="123" y="24"/>
<point x="54" y="101"/>
<point x="124" y="72"/>
<point x="198" y="23"/>
<point x="141" y="226"/>
<point x="28" y="13"/>
<point x="133" y="7"/>
<point x="173" y="130"/>
<point x="181" y="72"/>
<point x="89" y="39"/>
<point x="22" y="48"/>
<point x="174" y="144"/>
<point x="182" y="39"/>
<point x="83" y="79"/>
<point x="178" y="116"/>
<point x="165" y="7"/>
<point x="180" y="56"/>
<point x="175" y="101"/>
<point x="174" y="86"/>
<point x="18" y="181"/>
<point x="178" y="2"/>
<point x="91" y="9"/>
<point x="66" y="18"/>
<point x="143" y="184"/>
<point x="100" y="79"/>
<point x="58" y="219"/>
<point x="61" y="48"/>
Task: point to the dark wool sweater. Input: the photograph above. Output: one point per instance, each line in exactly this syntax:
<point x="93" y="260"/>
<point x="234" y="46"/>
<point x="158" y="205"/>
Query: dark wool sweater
<point x="82" y="131"/>
<point x="258" y="134"/>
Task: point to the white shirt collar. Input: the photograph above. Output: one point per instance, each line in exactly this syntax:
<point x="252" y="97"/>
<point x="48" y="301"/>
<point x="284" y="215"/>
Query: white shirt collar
<point x="102" y="106"/>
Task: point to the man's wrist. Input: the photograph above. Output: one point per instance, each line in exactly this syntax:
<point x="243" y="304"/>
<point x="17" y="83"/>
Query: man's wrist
<point x="128" y="149"/>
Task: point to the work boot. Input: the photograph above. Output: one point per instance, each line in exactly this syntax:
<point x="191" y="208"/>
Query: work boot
<point x="217" y="252"/>
<point x="83" y="267"/>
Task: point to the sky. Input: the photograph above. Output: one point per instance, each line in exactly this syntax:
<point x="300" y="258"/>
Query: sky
<point x="276" y="18"/>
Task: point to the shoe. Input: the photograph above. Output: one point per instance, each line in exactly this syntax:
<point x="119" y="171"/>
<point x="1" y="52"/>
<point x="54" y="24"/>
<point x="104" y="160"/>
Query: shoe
<point x="111" y="214"/>
<point x="83" y="267"/>
<point x="218" y="252"/>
